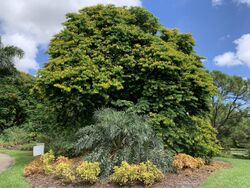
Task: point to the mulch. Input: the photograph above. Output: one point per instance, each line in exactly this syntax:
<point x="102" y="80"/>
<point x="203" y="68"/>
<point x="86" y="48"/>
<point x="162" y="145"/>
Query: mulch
<point x="183" y="179"/>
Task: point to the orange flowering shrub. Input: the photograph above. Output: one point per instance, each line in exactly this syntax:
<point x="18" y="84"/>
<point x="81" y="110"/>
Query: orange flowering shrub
<point x="62" y="159"/>
<point x="34" y="167"/>
<point x="183" y="161"/>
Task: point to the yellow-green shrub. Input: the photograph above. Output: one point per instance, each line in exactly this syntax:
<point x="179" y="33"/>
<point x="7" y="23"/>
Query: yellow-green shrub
<point x="147" y="173"/>
<point x="34" y="167"/>
<point x="125" y="173"/>
<point x="47" y="159"/>
<point x="63" y="169"/>
<point x="183" y="161"/>
<point x="88" y="171"/>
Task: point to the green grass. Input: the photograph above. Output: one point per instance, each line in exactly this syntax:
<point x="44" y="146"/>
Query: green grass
<point x="236" y="177"/>
<point x="13" y="176"/>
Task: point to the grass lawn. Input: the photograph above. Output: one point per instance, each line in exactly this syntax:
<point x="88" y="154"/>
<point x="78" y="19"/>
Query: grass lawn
<point x="13" y="177"/>
<point x="236" y="177"/>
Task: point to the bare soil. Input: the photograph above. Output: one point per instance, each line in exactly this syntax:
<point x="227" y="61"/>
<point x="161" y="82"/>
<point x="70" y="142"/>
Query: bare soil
<point x="183" y="179"/>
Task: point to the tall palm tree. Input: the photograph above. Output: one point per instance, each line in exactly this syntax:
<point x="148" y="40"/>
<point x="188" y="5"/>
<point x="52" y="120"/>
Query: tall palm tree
<point x="7" y="55"/>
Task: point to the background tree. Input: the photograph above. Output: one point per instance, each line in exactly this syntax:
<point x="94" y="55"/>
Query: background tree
<point x="231" y="102"/>
<point x="122" y="57"/>
<point x="14" y="89"/>
<point x="15" y="100"/>
<point x="7" y="55"/>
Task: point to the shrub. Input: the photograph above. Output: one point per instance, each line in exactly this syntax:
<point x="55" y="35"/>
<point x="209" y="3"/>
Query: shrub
<point x="15" y="135"/>
<point x="121" y="136"/>
<point x="27" y="147"/>
<point x="62" y="159"/>
<point x="149" y="173"/>
<point x="183" y="161"/>
<point x="59" y="139"/>
<point x="47" y="160"/>
<point x="63" y="169"/>
<point x="34" y="167"/>
<point x="88" y="171"/>
<point x="146" y="173"/>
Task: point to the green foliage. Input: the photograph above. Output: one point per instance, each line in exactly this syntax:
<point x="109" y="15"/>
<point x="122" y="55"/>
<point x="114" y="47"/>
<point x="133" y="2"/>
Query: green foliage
<point x="15" y="101"/>
<point x="88" y="172"/>
<point x="122" y="57"/>
<point x="230" y="114"/>
<point x="147" y="173"/>
<point x="194" y="135"/>
<point x="59" y="139"/>
<point x="7" y="54"/>
<point x="230" y="102"/>
<point x="121" y="136"/>
<point x="15" y="135"/>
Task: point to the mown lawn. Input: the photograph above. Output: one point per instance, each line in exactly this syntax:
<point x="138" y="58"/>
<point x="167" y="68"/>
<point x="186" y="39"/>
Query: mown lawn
<point x="13" y="177"/>
<point x="236" y="177"/>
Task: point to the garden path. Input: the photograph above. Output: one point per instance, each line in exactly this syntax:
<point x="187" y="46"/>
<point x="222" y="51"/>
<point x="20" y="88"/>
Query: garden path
<point x="5" y="162"/>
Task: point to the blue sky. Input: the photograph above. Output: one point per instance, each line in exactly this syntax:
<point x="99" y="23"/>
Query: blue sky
<point x="220" y="27"/>
<point x="213" y="27"/>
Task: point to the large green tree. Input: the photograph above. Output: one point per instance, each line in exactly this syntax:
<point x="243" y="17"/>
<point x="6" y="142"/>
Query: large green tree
<point x="231" y="112"/>
<point x="231" y="101"/>
<point x="11" y="84"/>
<point x="15" y="100"/>
<point x="122" y="57"/>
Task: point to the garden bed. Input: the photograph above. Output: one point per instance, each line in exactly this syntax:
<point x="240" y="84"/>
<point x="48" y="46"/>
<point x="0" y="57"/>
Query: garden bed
<point x="186" y="178"/>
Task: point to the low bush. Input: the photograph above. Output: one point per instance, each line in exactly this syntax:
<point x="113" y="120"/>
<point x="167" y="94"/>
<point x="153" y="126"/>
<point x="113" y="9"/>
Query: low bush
<point x="88" y="171"/>
<point x="47" y="160"/>
<point x="146" y="173"/>
<point x="34" y="167"/>
<point x="63" y="169"/>
<point x="122" y="136"/>
<point x="15" y="135"/>
<point x="60" y="140"/>
<point x="69" y="170"/>
<point x="183" y="161"/>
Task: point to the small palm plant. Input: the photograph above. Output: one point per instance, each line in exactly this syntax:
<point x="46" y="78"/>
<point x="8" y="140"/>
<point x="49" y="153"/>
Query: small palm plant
<point x="121" y="136"/>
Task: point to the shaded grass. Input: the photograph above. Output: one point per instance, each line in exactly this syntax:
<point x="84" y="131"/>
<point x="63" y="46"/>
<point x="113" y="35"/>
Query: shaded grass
<point x="13" y="176"/>
<point x="237" y="176"/>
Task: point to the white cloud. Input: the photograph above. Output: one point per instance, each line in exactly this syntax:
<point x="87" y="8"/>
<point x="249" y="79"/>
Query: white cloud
<point x="29" y="24"/>
<point x="247" y="2"/>
<point x="225" y="37"/>
<point x="217" y="2"/>
<point x="220" y="2"/>
<point x="241" y="56"/>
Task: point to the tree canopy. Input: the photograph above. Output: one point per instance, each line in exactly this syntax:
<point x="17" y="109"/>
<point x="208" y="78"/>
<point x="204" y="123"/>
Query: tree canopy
<point x="231" y="101"/>
<point x="7" y="55"/>
<point x="231" y="111"/>
<point x="122" y="57"/>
